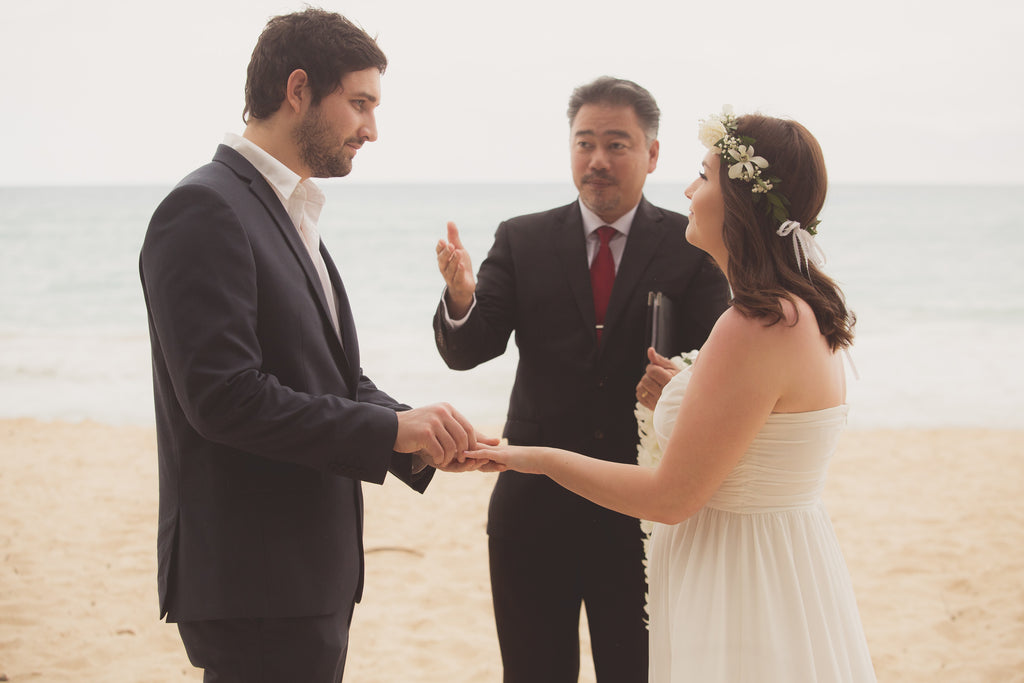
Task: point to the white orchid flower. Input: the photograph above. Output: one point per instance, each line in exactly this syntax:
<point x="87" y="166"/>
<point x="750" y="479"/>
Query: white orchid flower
<point x="745" y="162"/>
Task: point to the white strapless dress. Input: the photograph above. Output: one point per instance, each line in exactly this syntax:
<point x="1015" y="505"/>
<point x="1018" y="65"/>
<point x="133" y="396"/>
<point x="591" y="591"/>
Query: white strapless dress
<point x="754" y="588"/>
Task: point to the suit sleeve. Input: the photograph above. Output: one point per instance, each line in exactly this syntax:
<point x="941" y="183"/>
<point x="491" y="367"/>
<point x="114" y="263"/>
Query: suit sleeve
<point x="199" y="276"/>
<point x="401" y="463"/>
<point x="486" y="332"/>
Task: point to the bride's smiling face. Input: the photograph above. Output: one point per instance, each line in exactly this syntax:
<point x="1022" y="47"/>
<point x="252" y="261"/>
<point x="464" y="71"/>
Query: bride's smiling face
<point x="707" y="208"/>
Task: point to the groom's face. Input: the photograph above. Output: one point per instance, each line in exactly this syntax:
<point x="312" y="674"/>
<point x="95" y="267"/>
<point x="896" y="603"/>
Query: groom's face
<point x="331" y="132"/>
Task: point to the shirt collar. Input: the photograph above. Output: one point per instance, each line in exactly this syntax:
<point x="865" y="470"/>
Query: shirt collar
<point x="293" y="192"/>
<point x="591" y="221"/>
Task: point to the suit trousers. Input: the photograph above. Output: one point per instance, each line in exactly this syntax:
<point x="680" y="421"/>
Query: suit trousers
<point x="538" y="586"/>
<point x="277" y="650"/>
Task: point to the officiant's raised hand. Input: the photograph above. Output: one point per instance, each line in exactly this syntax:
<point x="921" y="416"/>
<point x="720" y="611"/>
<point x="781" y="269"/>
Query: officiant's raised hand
<point x="659" y="371"/>
<point x="457" y="270"/>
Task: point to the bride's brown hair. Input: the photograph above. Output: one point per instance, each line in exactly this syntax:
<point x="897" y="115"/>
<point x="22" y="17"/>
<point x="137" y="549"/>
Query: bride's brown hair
<point x="763" y="269"/>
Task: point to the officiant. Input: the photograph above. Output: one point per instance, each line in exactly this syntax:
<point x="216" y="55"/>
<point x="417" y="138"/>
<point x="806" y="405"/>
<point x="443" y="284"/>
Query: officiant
<point x="573" y="283"/>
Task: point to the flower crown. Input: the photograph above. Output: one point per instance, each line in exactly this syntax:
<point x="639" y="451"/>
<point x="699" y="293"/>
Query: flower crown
<point x="737" y="151"/>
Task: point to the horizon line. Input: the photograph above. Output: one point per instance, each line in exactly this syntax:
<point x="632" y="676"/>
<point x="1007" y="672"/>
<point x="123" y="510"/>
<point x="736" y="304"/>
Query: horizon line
<point x="332" y="182"/>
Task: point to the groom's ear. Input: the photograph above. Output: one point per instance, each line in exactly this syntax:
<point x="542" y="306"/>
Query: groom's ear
<point x="297" y="94"/>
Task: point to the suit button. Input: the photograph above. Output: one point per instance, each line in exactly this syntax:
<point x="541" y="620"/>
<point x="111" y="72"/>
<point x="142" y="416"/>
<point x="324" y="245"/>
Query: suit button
<point x="598" y="434"/>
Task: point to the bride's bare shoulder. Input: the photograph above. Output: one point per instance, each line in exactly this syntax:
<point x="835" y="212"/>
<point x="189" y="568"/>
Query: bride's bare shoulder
<point x="797" y="312"/>
<point x="737" y="322"/>
<point x="737" y="331"/>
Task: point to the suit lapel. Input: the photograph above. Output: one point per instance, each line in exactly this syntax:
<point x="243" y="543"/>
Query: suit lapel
<point x="259" y="186"/>
<point x="349" y="341"/>
<point x="645" y="235"/>
<point x="571" y="248"/>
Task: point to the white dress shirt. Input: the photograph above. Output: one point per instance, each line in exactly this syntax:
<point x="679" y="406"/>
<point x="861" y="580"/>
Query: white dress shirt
<point x="591" y="222"/>
<point x="303" y="201"/>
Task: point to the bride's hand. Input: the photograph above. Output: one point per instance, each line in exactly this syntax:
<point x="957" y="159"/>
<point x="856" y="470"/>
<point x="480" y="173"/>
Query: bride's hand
<point x="484" y="441"/>
<point x="519" y="458"/>
<point x="467" y="465"/>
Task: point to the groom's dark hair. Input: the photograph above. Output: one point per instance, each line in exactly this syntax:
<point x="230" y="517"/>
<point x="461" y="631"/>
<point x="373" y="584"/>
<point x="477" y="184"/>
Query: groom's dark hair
<point x="325" y="45"/>
<point x="620" y="93"/>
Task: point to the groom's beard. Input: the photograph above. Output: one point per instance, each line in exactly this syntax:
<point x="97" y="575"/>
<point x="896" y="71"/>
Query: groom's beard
<point x="317" y="149"/>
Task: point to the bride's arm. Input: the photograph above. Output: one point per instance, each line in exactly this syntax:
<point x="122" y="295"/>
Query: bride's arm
<point x="734" y="386"/>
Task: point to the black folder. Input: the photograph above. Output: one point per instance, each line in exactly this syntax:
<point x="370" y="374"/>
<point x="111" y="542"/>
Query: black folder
<point x="660" y="330"/>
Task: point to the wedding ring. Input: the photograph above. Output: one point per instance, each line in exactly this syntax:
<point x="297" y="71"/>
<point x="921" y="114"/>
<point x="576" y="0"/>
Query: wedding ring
<point x="643" y="393"/>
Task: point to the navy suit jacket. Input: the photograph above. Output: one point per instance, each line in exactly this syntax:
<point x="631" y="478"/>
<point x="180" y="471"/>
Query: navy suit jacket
<point x="569" y="392"/>
<point x="265" y="422"/>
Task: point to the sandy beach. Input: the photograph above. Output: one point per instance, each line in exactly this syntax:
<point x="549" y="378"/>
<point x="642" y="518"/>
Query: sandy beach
<point x="931" y="522"/>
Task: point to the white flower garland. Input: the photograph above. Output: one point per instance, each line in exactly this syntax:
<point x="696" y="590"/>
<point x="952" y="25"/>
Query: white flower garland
<point x="718" y="131"/>
<point x="648" y="454"/>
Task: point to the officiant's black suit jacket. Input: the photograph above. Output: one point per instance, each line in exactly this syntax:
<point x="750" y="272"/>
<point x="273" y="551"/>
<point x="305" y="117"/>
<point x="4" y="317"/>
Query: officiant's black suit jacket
<point x="569" y="392"/>
<point x="265" y="422"/>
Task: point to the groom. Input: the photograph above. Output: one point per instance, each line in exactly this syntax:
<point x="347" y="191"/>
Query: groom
<point x="573" y="283"/>
<point x="266" y="424"/>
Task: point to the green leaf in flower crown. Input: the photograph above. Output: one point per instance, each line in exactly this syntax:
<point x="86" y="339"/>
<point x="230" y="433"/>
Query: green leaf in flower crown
<point x="777" y="206"/>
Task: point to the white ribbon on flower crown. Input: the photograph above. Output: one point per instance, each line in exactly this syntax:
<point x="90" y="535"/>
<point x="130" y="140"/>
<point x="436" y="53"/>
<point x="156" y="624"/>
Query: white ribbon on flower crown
<point x="804" y="245"/>
<point x="806" y="249"/>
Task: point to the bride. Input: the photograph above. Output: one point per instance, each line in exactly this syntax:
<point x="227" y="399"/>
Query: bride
<point x="747" y="581"/>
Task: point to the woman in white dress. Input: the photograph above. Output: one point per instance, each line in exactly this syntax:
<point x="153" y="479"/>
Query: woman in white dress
<point x="747" y="581"/>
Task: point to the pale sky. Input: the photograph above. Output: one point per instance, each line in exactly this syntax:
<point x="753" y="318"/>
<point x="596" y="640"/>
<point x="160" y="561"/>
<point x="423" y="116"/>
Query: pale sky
<point x="130" y="92"/>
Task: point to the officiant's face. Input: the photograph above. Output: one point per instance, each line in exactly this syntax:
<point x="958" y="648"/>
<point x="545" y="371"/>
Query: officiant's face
<point x="610" y="159"/>
<point x="707" y="207"/>
<point x="331" y="132"/>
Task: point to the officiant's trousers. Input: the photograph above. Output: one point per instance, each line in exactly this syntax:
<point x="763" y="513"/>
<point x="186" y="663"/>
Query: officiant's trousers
<point x="538" y="585"/>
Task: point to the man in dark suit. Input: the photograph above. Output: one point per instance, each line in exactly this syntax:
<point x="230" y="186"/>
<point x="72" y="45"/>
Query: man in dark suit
<point x="266" y="424"/>
<point x="581" y="356"/>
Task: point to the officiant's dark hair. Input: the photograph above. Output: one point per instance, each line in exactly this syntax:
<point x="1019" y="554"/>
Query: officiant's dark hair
<point x="763" y="269"/>
<point x="621" y="93"/>
<point x="325" y="45"/>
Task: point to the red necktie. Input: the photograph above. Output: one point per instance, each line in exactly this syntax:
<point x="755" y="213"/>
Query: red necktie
<point x="602" y="276"/>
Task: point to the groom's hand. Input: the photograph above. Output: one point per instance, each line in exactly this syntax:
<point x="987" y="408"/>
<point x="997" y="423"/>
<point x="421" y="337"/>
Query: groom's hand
<point x="421" y="461"/>
<point x="438" y="432"/>
<point x="477" y="463"/>
<point x="466" y="464"/>
<point x="659" y="371"/>
<point x="457" y="270"/>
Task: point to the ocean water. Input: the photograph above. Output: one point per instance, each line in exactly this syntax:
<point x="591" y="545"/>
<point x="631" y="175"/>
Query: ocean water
<point x="933" y="273"/>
